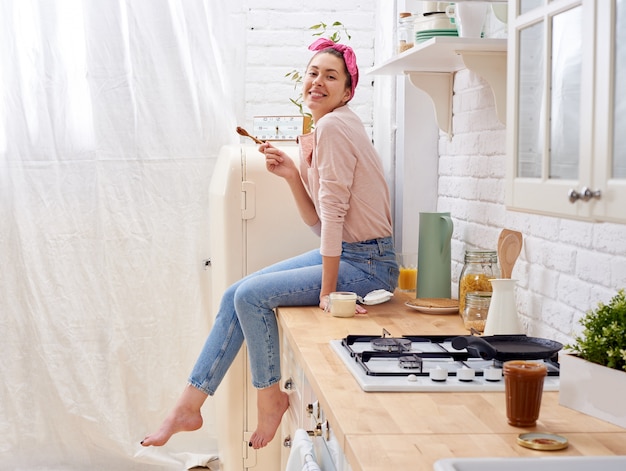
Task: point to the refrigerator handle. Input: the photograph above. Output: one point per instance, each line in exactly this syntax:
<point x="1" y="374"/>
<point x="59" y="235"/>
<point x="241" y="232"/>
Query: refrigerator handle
<point x="249" y="454"/>
<point x="248" y="200"/>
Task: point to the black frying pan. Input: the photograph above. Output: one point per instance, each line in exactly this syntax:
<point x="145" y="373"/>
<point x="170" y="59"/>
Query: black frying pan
<point x="507" y="347"/>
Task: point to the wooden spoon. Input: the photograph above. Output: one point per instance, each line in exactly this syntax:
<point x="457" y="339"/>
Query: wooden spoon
<point x="509" y="248"/>
<point x="242" y="132"/>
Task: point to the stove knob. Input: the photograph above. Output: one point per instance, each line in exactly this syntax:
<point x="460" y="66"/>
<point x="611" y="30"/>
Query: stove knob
<point x="492" y="374"/>
<point x="438" y="374"/>
<point x="465" y="374"/>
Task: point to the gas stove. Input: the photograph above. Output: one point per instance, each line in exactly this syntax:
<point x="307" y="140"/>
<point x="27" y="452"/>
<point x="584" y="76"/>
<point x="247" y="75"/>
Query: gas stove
<point x="422" y="364"/>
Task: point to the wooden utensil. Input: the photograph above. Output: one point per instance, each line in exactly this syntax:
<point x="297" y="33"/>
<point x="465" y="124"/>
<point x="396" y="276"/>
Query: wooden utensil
<point x="509" y="248"/>
<point x="242" y="132"/>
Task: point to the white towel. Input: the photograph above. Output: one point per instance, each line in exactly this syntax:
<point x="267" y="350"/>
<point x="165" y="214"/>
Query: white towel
<point x="302" y="455"/>
<point x="310" y="464"/>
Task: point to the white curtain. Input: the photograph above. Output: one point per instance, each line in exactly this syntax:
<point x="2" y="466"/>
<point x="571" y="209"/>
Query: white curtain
<point x="111" y="117"/>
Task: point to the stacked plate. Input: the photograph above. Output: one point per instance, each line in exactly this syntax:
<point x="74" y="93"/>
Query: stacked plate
<point x="421" y="36"/>
<point x="433" y="24"/>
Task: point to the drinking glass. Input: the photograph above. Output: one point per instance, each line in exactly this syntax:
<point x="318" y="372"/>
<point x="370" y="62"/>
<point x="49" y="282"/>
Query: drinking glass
<point x="407" y="280"/>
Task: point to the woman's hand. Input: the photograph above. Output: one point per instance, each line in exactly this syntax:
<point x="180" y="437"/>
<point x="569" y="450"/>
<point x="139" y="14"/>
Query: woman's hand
<point x="277" y="162"/>
<point x="325" y="302"/>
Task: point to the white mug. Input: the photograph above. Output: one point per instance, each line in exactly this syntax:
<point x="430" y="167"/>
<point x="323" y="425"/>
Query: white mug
<point x="342" y="303"/>
<point x="469" y="17"/>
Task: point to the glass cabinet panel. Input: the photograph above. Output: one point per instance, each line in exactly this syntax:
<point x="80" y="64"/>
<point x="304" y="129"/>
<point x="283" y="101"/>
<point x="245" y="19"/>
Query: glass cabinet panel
<point x="531" y="94"/>
<point x="567" y="139"/>
<point x="550" y="133"/>
<point x="565" y="92"/>
<point x="619" y="112"/>
<point x="527" y="5"/>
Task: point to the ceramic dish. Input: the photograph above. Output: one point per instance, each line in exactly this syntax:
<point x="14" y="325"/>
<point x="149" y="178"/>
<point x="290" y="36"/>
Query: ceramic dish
<point x="420" y="37"/>
<point x="501" y="12"/>
<point x="433" y="21"/>
<point x="437" y="33"/>
<point x="434" y="305"/>
<point x="376" y="297"/>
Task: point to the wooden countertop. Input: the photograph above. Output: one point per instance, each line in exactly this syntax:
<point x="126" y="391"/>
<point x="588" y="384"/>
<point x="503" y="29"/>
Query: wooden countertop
<point x="382" y="431"/>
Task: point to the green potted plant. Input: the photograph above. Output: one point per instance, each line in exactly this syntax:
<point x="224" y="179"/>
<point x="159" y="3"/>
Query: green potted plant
<point x="593" y="367"/>
<point x="603" y="339"/>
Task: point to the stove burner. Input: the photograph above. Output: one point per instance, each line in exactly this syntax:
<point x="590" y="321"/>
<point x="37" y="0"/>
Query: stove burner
<point x="400" y="370"/>
<point x="410" y="362"/>
<point x="391" y="344"/>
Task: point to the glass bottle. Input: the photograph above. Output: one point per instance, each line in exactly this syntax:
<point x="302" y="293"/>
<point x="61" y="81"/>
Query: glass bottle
<point x="476" y="310"/>
<point x="405" y="32"/>
<point x="480" y="266"/>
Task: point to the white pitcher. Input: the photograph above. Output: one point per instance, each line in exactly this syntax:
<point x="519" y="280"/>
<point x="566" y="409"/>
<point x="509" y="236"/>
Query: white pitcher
<point x="502" y="318"/>
<point x="469" y="17"/>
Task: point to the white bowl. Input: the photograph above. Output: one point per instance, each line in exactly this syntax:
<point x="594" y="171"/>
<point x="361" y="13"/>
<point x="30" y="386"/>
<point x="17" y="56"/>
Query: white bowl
<point x="434" y="21"/>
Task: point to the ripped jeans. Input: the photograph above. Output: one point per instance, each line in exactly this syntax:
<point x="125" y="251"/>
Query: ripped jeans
<point x="247" y="307"/>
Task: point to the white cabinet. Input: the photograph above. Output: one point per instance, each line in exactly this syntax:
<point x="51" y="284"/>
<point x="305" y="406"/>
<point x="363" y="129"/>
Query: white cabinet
<point x="567" y="108"/>
<point x="305" y="412"/>
<point x="299" y="396"/>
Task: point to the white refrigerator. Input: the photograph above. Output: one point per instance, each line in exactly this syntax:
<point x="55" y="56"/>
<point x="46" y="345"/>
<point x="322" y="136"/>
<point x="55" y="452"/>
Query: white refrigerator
<point x="253" y="222"/>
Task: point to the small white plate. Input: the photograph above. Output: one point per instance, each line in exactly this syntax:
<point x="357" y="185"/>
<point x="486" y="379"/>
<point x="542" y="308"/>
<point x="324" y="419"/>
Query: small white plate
<point x="433" y="310"/>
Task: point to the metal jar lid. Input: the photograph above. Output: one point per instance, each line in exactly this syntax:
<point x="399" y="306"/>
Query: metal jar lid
<point x="542" y="441"/>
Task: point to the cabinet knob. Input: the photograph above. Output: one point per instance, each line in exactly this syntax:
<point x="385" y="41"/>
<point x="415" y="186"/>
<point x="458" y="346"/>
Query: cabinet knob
<point x="585" y="194"/>
<point x="288" y="384"/>
<point x="313" y="410"/>
<point x="320" y="430"/>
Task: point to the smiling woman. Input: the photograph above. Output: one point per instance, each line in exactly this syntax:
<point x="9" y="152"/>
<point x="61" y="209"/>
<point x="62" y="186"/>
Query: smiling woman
<point x="339" y="190"/>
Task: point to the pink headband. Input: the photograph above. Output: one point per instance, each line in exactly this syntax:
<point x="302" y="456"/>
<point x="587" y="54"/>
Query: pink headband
<point x="348" y="57"/>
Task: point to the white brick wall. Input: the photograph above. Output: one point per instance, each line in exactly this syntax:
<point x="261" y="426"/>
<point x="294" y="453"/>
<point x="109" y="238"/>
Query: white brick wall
<point x="566" y="266"/>
<point x="277" y="37"/>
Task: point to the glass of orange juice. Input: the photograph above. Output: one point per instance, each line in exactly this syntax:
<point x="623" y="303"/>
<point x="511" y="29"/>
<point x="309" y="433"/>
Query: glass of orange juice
<point x="407" y="262"/>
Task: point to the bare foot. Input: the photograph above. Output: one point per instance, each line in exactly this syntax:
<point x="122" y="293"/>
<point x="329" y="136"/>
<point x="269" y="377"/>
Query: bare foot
<point x="272" y="404"/>
<point x="185" y="417"/>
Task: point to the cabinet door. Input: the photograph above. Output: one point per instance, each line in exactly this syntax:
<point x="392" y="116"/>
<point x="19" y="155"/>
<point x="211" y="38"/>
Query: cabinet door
<point x="550" y="141"/>
<point x="610" y="129"/>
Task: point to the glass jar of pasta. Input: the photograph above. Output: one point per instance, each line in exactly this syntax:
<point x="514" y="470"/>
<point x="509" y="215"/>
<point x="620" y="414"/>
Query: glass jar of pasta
<point x="476" y="310"/>
<point x="480" y="266"/>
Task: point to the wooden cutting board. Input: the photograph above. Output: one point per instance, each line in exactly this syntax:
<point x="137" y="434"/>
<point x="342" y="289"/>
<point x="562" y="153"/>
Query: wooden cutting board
<point x="509" y="248"/>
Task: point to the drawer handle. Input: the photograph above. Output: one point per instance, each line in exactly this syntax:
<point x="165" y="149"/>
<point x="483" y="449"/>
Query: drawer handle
<point x="312" y="433"/>
<point x="585" y="194"/>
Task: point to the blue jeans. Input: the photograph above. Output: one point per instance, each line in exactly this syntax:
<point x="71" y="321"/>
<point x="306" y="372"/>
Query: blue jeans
<point x="247" y="307"/>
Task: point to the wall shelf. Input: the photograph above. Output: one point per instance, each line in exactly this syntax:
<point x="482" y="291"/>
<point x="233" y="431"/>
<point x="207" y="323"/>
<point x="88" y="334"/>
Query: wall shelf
<point x="431" y="66"/>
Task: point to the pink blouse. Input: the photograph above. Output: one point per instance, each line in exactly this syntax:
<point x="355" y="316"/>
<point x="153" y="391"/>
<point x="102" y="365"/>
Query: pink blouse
<point x="344" y="177"/>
